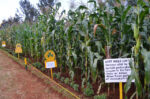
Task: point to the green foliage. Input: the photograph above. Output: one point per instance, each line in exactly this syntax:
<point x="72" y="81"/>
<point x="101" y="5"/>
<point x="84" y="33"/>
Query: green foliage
<point x="43" y="69"/>
<point x="58" y="75"/>
<point x="102" y="96"/>
<point x="62" y="79"/>
<point x="54" y="75"/>
<point x="139" y="69"/>
<point x="76" y="87"/>
<point x="66" y="81"/>
<point x="72" y="83"/>
<point x="83" y="83"/>
<point x="88" y="91"/>
<point x="37" y="65"/>
<point x="71" y="73"/>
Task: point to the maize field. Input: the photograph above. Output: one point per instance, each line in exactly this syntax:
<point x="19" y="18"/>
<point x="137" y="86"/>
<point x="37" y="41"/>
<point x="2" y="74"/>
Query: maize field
<point x="80" y="39"/>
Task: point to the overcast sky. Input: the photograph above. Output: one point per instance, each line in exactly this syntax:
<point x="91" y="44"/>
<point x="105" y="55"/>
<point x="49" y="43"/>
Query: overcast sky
<point x="8" y="8"/>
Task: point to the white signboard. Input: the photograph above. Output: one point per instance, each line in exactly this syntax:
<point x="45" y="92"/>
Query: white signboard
<point x="50" y="64"/>
<point x="117" y="70"/>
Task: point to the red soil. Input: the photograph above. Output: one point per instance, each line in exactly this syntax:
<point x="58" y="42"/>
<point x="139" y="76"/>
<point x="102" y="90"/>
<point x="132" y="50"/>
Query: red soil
<point x="17" y="83"/>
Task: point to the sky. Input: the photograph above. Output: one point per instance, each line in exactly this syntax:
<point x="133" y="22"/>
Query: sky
<point x="8" y="8"/>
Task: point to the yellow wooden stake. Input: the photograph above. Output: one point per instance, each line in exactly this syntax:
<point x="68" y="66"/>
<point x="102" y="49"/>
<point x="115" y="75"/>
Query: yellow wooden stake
<point x="25" y="61"/>
<point x="51" y="73"/>
<point x="120" y="89"/>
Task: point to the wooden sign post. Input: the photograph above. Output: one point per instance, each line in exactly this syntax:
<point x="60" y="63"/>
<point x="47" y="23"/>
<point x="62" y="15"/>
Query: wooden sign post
<point x="107" y="53"/>
<point x="120" y="89"/>
<point x="50" y="61"/>
<point x="18" y="49"/>
<point x="117" y="71"/>
<point x="3" y="44"/>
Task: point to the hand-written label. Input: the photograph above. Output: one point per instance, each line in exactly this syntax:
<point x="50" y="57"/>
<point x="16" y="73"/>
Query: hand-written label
<point x="50" y="64"/>
<point x="117" y="70"/>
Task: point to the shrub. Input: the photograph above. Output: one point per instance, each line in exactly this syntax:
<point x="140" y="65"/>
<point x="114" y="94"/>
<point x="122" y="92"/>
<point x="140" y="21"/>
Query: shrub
<point x="88" y="91"/>
<point x="37" y="65"/>
<point x="72" y="83"/>
<point x="62" y="79"/>
<point x="66" y="81"/>
<point x="102" y="96"/>
<point x="58" y="75"/>
<point x="54" y="75"/>
<point x="76" y="87"/>
<point x="43" y="69"/>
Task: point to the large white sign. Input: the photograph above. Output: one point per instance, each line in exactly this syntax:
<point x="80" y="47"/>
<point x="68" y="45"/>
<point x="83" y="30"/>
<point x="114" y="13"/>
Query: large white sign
<point x="117" y="70"/>
<point x="50" y="64"/>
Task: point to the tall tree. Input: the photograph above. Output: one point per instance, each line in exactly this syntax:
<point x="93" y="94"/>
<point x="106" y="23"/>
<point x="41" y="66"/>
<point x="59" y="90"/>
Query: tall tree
<point x="132" y="2"/>
<point x="28" y="10"/>
<point x="8" y="22"/>
<point x="72" y="4"/>
<point x="45" y="5"/>
<point x="17" y="18"/>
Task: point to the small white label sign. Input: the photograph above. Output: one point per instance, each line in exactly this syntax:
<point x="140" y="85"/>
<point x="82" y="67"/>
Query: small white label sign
<point x="50" y="64"/>
<point x="117" y="70"/>
<point x="3" y="45"/>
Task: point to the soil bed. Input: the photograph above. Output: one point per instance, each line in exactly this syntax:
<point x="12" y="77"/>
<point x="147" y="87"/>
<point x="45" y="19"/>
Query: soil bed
<point x="17" y="83"/>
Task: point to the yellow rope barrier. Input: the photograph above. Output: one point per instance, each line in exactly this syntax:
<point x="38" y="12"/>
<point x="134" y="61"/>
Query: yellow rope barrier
<point x="56" y="83"/>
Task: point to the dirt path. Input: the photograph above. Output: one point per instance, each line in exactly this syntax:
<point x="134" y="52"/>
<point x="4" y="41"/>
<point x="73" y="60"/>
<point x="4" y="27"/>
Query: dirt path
<point x="17" y="83"/>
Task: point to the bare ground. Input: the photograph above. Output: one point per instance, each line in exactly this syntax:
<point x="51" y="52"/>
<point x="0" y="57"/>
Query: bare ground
<point x="17" y="83"/>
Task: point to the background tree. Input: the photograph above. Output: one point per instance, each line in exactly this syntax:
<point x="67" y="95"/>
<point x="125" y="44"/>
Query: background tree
<point x="28" y="10"/>
<point x="100" y="2"/>
<point x="45" y="5"/>
<point x="10" y="21"/>
<point x="72" y="4"/>
<point x="17" y="18"/>
<point x="132" y="2"/>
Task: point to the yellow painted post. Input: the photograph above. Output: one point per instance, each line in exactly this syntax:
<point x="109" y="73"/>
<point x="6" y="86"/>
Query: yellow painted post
<point x="120" y="89"/>
<point x="25" y="61"/>
<point x="51" y="73"/>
